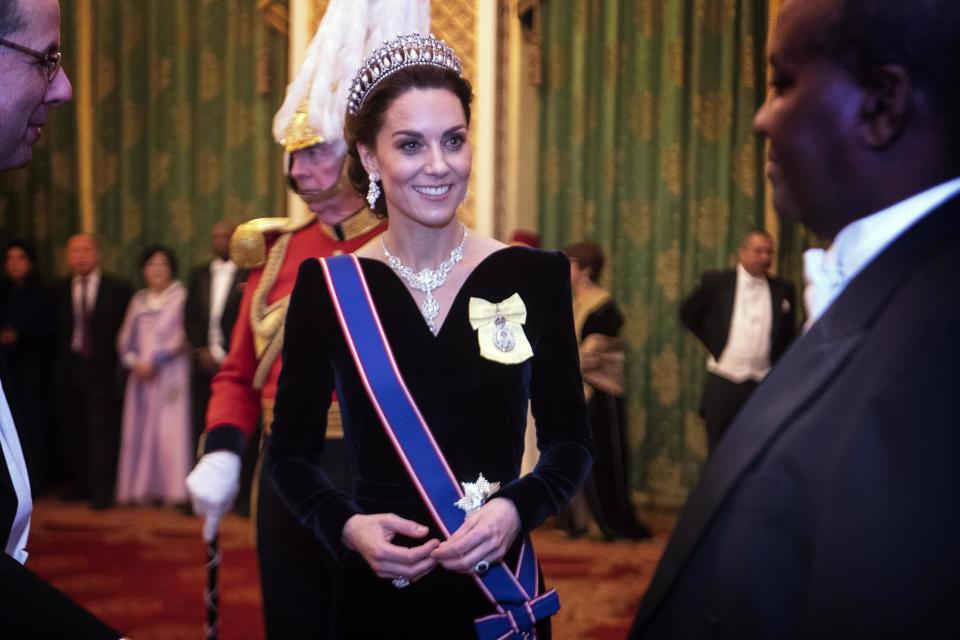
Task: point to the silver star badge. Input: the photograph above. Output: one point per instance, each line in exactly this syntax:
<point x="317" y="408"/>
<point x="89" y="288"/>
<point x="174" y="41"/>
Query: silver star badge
<point x="475" y="494"/>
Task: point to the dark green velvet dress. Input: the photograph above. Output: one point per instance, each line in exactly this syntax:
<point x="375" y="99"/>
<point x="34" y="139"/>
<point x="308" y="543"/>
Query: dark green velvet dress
<point x="475" y="407"/>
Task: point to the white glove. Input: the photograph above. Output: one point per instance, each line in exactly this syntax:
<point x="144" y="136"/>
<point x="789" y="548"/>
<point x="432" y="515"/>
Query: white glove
<point x="213" y="485"/>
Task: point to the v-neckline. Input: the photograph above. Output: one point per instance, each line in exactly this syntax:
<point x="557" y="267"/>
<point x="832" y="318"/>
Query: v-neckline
<point x="456" y="298"/>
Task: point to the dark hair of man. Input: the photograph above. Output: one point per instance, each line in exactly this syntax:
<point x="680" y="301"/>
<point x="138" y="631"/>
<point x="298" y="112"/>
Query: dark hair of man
<point x="11" y="17"/>
<point x="364" y="126"/>
<point x="756" y="232"/>
<point x="921" y="35"/>
<point x="153" y="249"/>
<point x="588" y="255"/>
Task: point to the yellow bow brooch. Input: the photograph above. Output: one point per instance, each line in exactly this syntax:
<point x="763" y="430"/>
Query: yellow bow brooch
<point x="498" y="329"/>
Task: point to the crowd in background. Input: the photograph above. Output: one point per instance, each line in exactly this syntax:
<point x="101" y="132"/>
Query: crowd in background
<point x="118" y="365"/>
<point x="132" y="370"/>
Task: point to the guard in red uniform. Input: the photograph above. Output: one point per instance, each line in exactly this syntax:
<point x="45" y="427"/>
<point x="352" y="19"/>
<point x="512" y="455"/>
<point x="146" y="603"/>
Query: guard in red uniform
<point x="295" y="568"/>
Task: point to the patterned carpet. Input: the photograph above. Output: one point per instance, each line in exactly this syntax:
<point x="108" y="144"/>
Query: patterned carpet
<point x="142" y="571"/>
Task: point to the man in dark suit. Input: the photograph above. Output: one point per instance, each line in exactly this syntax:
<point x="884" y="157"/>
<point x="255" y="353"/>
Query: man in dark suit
<point x="831" y="508"/>
<point x="90" y="306"/>
<point x="32" y="83"/>
<point x="211" y="311"/>
<point x="745" y="319"/>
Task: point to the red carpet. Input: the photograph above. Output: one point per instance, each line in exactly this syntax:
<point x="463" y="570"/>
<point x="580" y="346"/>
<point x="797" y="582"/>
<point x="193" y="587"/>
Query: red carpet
<point x="142" y="570"/>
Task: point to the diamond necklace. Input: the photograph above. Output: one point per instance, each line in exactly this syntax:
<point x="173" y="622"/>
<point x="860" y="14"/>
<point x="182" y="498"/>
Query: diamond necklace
<point x="426" y="280"/>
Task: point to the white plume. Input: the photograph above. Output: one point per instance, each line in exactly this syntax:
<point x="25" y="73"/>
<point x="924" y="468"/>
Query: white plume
<point x="349" y="31"/>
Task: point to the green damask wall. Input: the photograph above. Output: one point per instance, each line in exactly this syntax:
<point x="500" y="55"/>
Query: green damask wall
<point x="181" y="94"/>
<point x="647" y="147"/>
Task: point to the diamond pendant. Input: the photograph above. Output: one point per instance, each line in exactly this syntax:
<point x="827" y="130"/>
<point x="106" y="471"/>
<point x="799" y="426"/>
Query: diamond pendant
<point x="430" y="309"/>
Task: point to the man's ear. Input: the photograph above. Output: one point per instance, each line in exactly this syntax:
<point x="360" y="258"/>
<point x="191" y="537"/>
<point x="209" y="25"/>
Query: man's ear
<point x="367" y="158"/>
<point x="887" y="104"/>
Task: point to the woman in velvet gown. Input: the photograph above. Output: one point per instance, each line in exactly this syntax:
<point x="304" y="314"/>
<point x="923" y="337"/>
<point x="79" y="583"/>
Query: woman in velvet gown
<point x="605" y="497"/>
<point x="410" y="136"/>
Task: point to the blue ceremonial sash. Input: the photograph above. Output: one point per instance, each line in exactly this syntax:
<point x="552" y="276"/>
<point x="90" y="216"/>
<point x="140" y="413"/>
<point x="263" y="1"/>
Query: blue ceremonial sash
<point x="514" y="594"/>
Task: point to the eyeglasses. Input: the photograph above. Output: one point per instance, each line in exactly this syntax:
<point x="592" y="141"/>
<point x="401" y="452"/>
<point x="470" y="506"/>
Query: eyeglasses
<point x="50" y="61"/>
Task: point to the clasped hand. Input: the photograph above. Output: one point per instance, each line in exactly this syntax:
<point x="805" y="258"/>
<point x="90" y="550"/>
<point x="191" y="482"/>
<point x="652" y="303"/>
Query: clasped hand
<point x="485" y="535"/>
<point x="144" y="369"/>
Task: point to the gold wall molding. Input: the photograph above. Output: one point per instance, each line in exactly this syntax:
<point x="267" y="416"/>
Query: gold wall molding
<point x="85" y="124"/>
<point x="770" y="220"/>
<point x="456" y="22"/>
<point x="518" y="117"/>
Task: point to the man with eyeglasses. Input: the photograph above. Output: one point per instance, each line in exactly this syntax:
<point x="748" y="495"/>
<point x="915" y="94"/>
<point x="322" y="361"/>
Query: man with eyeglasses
<point x="31" y="82"/>
<point x="30" y="75"/>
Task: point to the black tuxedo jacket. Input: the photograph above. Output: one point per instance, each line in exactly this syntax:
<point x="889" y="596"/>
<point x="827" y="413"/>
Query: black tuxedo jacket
<point x="113" y="296"/>
<point x="196" y="316"/>
<point x="708" y="312"/>
<point x="831" y="508"/>
<point x="29" y="607"/>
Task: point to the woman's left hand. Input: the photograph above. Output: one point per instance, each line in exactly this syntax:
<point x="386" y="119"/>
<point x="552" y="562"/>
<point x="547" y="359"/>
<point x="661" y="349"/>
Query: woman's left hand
<point x="485" y="535"/>
<point x="144" y="369"/>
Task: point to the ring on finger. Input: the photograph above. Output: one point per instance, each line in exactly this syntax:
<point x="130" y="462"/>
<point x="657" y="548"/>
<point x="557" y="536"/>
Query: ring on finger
<point x="400" y="582"/>
<point x="481" y="567"/>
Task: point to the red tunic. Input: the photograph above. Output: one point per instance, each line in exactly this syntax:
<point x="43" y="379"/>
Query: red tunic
<point x="233" y="400"/>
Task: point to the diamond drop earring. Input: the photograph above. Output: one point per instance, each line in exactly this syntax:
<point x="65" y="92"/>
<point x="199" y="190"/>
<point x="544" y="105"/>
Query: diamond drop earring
<point x="373" y="192"/>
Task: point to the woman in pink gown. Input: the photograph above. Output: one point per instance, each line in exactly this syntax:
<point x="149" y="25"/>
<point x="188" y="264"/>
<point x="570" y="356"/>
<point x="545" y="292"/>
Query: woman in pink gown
<point x="155" y="454"/>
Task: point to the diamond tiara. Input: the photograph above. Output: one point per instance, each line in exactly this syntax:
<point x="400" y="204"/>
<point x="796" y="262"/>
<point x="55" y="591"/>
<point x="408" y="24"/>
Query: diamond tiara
<point x="393" y="55"/>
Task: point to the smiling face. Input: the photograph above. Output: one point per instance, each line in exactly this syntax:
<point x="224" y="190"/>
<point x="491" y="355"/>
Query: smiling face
<point x="27" y="95"/>
<point x="157" y="271"/>
<point x="423" y="156"/>
<point x="811" y="119"/>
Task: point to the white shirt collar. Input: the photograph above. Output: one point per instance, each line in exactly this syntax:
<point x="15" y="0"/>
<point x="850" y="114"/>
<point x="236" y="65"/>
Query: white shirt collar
<point x="745" y="276"/>
<point x="862" y="240"/>
<point x="92" y="277"/>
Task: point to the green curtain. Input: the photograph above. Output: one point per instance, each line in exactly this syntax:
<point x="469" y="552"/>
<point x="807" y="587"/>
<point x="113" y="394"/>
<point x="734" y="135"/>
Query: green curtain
<point x="183" y="95"/>
<point x="647" y="147"/>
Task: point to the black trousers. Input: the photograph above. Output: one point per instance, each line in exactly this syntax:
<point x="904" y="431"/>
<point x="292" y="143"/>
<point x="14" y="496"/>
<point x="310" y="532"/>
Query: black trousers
<point x="90" y="419"/>
<point x="297" y="573"/>
<point x="722" y="401"/>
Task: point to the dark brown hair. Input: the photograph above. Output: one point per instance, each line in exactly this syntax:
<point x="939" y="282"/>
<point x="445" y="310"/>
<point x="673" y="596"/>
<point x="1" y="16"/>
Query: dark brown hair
<point x="756" y="232"/>
<point x="364" y="126"/>
<point x="588" y="255"/>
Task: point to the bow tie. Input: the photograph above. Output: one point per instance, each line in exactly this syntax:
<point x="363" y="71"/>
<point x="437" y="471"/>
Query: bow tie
<point x="824" y="275"/>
